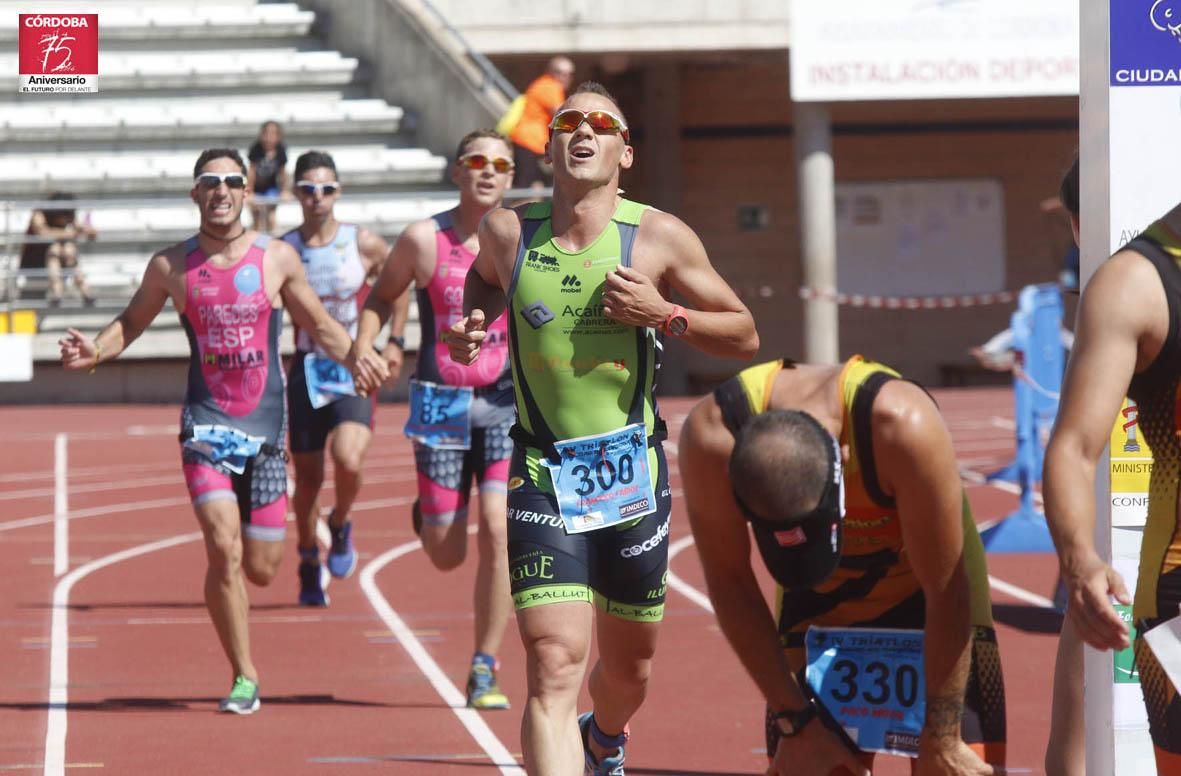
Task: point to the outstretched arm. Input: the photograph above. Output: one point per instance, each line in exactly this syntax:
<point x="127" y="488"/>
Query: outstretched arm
<point x="914" y="452"/>
<point x="80" y="352"/>
<point x="1122" y="303"/>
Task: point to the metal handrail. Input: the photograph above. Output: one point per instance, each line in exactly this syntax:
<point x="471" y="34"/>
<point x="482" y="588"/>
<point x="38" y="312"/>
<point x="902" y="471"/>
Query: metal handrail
<point x="489" y="70"/>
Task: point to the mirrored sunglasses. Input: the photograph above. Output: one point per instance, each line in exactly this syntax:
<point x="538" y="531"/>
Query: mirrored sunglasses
<point x="310" y="188"/>
<point x="479" y="162"/>
<point x="211" y="180"/>
<point x="600" y="121"/>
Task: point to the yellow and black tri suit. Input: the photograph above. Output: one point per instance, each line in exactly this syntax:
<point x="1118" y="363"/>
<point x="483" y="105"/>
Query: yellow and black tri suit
<point x="1157" y="393"/>
<point x="874" y="585"/>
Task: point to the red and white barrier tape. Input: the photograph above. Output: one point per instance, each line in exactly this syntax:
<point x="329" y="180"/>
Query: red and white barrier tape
<point x="910" y="302"/>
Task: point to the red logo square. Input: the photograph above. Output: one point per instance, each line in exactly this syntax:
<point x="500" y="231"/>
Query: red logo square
<point x="58" y="51"/>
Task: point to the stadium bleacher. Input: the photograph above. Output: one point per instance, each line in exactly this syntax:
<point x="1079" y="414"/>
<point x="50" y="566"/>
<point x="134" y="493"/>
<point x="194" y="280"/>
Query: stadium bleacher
<point x="177" y="77"/>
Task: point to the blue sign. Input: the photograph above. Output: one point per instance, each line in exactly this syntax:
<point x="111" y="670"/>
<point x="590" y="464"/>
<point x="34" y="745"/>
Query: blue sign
<point x="1145" y="42"/>
<point x="440" y="415"/>
<point x="604" y="479"/>
<point x="327" y="380"/>
<point x="871" y="681"/>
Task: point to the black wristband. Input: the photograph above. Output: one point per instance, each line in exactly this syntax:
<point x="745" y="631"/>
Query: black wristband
<point x="797" y="719"/>
<point x="399" y="341"/>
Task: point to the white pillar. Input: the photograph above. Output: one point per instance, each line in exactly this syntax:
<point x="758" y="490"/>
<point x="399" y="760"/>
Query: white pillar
<point x="818" y="237"/>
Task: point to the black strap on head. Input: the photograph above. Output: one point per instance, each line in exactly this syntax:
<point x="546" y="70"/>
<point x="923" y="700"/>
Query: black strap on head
<point x="734" y="404"/>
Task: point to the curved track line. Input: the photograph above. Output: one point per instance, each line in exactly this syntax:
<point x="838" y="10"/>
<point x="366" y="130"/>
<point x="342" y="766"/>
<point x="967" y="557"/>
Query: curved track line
<point x="59" y="639"/>
<point x="680" y="585"/>
<point x="470" y="718"/>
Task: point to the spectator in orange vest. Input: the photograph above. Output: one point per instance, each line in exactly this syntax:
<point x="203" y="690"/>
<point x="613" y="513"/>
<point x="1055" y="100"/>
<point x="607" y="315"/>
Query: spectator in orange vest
<point x="531" y="133"/>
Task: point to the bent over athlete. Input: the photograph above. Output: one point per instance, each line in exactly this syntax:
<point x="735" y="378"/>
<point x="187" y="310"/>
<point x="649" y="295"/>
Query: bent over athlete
<point x="847" y="476"/>
<point x="229" y="286"/>
<point x="460" y="415"/>
<point x="586" y="280"/>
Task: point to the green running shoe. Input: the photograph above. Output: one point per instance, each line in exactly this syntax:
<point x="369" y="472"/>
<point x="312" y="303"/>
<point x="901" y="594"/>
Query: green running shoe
<point x="243" y="697"/>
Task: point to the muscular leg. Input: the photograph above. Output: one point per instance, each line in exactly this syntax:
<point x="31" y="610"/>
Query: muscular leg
<point x="309" y="477"/>
<point x="225" y="590"/>
<point x="557" y="641"/>
<point x="261" y="559"/>
<point x="350" y="441"/>
<point x="443" y="504"/>
<point x="446" y="545"/>
<point x="619" y="680"/>
<point x="492" y="600"/>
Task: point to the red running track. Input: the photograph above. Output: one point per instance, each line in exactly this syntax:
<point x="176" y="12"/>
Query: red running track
<point x="364" y="685"/>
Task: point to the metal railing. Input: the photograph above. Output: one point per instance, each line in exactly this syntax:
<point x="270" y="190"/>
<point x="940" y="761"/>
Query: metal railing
<point x="490" y="72"/>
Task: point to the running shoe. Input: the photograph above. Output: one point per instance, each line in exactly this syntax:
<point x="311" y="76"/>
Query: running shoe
<point x="342" y="558"/>
<point x="608" y="766"/>
<point x="311" y="585"/>
<point x="243" y="697"/>
<point x="482" y="690"/>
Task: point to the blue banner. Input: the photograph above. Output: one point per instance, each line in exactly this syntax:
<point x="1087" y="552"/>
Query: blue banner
<point x="440" y="415"/>
<point x="604" y="479"/>
<point x="1145" y="42"/>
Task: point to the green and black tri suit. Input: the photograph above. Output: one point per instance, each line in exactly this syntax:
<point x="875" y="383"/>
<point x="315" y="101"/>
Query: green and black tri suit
<point x="577" y="372"/>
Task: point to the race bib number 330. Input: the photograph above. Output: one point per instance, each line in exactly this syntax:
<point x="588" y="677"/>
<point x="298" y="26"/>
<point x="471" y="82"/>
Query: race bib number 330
<point x="872" y="682"/>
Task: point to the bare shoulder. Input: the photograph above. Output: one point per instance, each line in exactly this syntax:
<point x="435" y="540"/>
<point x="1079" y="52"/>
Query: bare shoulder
<point x="1122" y="278"/>
<point x="283" y="254"/>
<point x="663" y="227"/>
<point x="420" y="233"/>
<point x="168" y="261"/>
<point x="904" y="415"/>
<point x="704" y="434"/>
<point x="503" y="224"/>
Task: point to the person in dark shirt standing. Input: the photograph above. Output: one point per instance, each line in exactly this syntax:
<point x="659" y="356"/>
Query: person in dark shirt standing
<point x="268" y="175"/>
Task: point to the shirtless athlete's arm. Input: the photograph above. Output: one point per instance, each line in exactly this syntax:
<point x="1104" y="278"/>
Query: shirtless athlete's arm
<point x="487" y="281"/>
<point x="1122" y="312"/>
<point x="917" y="466"/>
<point x="80" y="352"/>
<point x="723" y="545"/>
<point x="669" y="253"/>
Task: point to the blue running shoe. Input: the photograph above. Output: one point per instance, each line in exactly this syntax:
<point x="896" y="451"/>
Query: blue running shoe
<point x="311" y="589"/>
<point x="608" y="766"/>
<point x="342" y="558"/>
<point x="482" y="690"/>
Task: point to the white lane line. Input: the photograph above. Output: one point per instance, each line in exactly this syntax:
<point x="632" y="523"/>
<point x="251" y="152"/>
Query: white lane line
<point x="470" y="718"/>
<point x="680" y="585"/>
<point x="1020" y="593"/>
<point x="59" y="640"/>
<point x="136" y="506"/>
<point x="61" y="507"/>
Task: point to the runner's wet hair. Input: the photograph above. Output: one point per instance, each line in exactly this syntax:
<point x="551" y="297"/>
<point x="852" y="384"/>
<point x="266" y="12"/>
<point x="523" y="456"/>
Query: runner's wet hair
<point x="475" y="135"/>
<point x="780" y="464"/>
<point x="594" y="87"/>
<point x="209" y="154"/>
<point x="310" y="160"/>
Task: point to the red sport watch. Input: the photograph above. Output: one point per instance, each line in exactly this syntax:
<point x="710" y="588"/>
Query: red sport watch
<point x="677" y="322"/>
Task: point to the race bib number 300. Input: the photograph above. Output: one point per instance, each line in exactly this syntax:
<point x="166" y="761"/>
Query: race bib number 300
<point x="440" y="415"/>
<point x="603" y="480"/>
<point x="872" y="682"/>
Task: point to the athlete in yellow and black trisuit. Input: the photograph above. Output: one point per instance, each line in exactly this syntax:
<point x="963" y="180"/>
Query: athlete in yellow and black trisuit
<point x="1127" y="341"/>
<point x="770" y="449"/>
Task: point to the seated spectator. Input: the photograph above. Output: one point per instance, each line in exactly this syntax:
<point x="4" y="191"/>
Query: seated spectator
<point x="54" y="248"/>
<point x="267" y="176"/>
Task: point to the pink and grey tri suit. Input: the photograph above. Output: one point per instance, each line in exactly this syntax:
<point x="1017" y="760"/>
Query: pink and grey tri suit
<point x="337" y="274"/>
<point x="235" y="380"/>
<point x="444" y="476"/>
